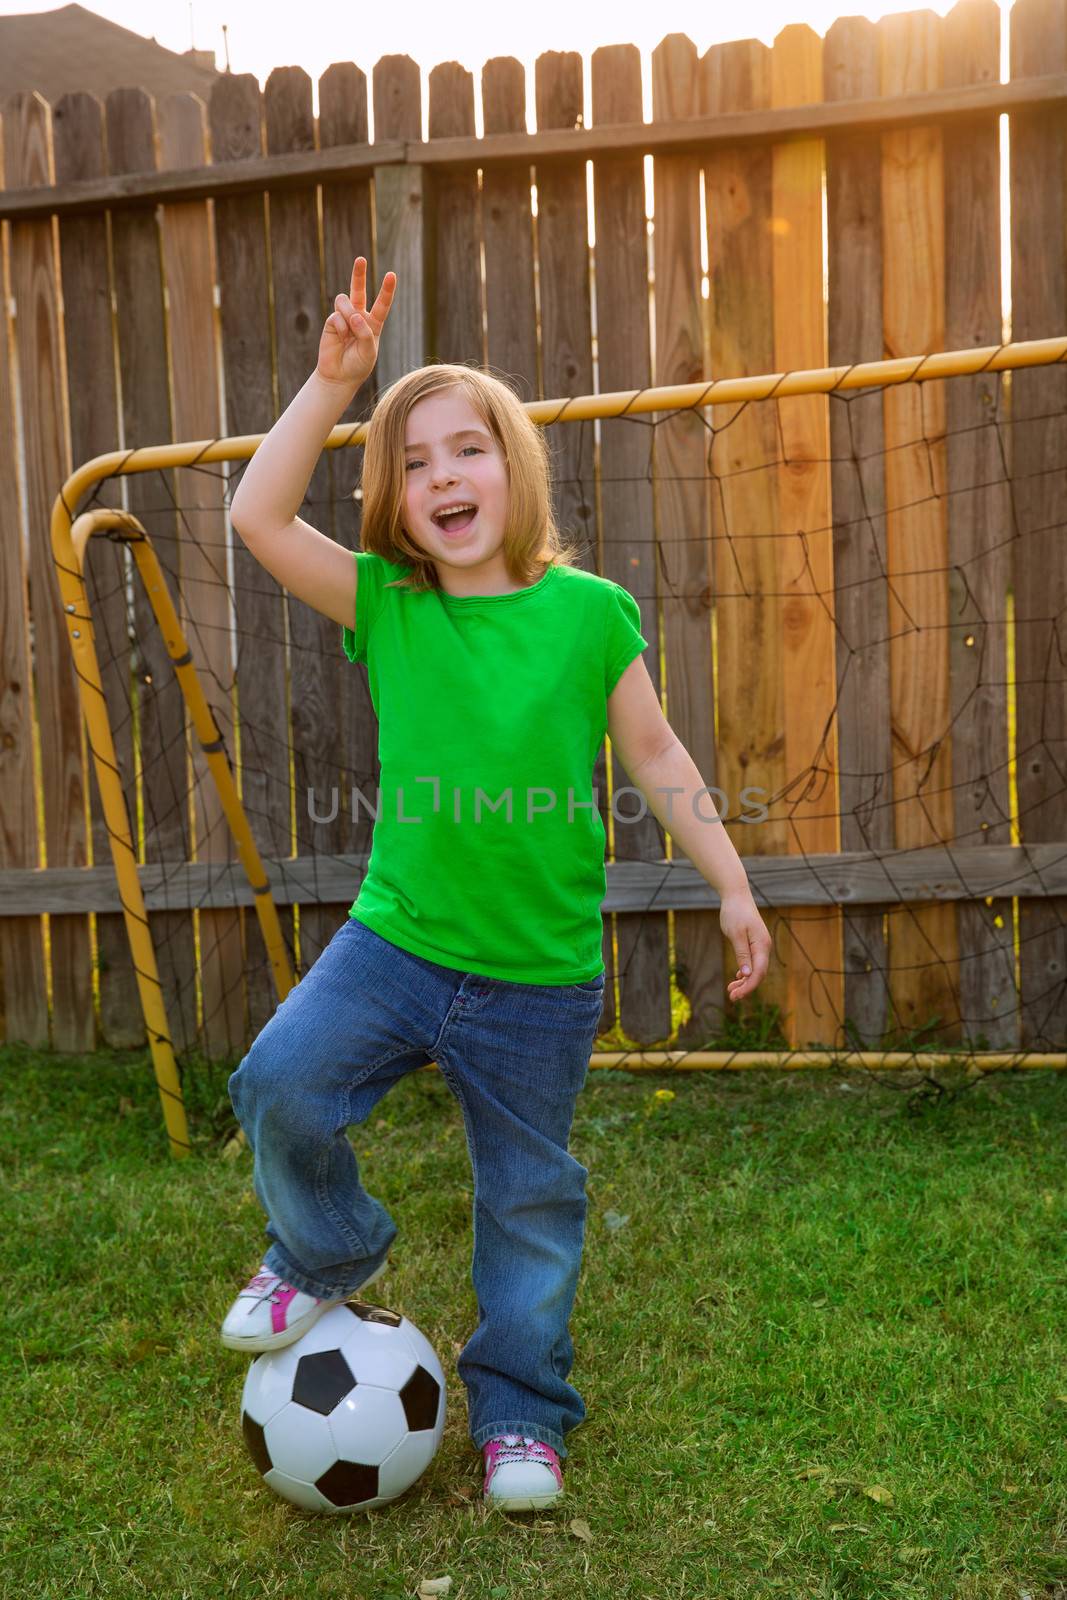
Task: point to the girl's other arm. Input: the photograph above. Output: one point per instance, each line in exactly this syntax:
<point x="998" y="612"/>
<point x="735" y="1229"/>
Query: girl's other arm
<point x="264" y="508"/>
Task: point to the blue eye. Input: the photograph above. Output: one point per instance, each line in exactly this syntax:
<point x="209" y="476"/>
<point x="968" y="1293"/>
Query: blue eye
<point x="417" y="461"/>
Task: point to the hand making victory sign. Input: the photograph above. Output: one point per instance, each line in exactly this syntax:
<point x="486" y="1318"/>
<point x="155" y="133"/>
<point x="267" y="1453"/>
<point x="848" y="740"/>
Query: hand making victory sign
<point x="348" y="348"/>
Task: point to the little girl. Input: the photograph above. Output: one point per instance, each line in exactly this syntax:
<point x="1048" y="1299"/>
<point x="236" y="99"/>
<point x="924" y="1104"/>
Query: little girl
<point x="475" y="939"/>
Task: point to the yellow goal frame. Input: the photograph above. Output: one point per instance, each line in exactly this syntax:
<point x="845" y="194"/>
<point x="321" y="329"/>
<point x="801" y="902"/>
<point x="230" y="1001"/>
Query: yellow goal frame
<point x="70" y="538"/>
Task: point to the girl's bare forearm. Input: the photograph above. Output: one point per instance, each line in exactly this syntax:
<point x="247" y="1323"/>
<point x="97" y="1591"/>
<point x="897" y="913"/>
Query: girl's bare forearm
<point x="275" y="480"/>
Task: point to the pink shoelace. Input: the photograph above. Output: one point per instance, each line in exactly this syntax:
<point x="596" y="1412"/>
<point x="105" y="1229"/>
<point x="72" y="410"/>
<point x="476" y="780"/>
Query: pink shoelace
<point x="268" y="1282"/>
<point x="281" y="1295"/>
<point x="515" y="1447"/>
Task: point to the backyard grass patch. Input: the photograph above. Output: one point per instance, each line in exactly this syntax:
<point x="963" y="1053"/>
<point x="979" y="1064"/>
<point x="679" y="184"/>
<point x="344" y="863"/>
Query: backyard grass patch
<point x="820" y="1335"/>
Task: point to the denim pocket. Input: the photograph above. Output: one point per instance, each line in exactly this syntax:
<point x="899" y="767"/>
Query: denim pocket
<point x="590" y="985"/>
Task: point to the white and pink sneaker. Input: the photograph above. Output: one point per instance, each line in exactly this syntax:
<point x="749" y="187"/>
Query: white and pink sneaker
<point x="270" y="1313"/>
<point x="521" y="1474"/>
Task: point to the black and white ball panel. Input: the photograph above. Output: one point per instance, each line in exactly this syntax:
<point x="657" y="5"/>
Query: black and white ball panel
<point x="350" y="1415"/>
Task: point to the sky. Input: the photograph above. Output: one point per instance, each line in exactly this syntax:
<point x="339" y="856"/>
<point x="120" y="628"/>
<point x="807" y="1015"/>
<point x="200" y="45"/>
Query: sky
<point x="314" y="33"/>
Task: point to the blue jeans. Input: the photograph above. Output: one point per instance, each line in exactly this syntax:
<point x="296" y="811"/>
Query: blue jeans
<point x="515" y="1055"/>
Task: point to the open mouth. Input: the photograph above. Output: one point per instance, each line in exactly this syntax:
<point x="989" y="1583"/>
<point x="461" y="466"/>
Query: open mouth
<point x="454" y="522"/>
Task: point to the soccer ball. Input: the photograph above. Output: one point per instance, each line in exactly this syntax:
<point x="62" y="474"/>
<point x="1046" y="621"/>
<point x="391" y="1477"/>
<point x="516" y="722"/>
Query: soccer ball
<point x="348" y="1416"/>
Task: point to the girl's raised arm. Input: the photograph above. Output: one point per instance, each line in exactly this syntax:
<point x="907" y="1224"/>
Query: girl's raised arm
<point x="264" y="508"/>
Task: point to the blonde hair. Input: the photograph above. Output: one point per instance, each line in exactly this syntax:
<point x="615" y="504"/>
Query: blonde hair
<point x="532" y="540"/>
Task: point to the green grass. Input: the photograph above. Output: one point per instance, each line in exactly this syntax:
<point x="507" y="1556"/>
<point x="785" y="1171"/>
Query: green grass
<point x="819" y="1332"/>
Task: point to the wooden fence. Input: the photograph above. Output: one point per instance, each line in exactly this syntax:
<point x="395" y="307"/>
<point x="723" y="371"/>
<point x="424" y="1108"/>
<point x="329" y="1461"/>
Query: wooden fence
<point x="168" y="270"/>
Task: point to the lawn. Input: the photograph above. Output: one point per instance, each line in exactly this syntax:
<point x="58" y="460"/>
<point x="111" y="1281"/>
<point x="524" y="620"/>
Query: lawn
<point x="820" y="1333"/>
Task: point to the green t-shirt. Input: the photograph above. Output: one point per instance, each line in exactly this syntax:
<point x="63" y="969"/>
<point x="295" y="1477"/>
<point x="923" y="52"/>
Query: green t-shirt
<point x="488" y="847"/>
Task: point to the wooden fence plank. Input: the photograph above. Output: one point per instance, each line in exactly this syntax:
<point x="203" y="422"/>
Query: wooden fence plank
<point x="924" y="972"/>
<point x="851" y="70"/>
<point x="561" y="235"/>
<point x="399" y="218"/>
<point x="347" y="233"/>
<point x="566" y="320"/>
<point x="189" y="268"/>
<point x="806" y="582"/>
<point x="142" y="340"/>
<point x="315" y="655"/>
<point x="507" y="230"/>
<point x="979" y="523"/>
<point x="35" y="292"/>
<point x="565" y="354"/>
<point x="938" y="873"/>
<point x="1038" y="34"/>
<point x="736" y="77"/>
<point x="680" y="496"/>
<point x="628" y="554"/>
<point x="92" y="397"/>
<point x="235" y="116"/>
<point x="454" y="227"/>
<point x="23" y="986"/>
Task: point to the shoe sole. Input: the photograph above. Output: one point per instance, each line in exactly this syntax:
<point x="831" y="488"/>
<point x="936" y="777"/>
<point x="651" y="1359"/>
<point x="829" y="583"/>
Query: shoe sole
<point x="278" y="1341"/>
<point x="527" y="1502"/>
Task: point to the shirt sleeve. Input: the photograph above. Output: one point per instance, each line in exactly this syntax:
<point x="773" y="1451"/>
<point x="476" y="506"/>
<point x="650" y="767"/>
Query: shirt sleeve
<point x="623" y="639"/>
<point x="368" y="585"/>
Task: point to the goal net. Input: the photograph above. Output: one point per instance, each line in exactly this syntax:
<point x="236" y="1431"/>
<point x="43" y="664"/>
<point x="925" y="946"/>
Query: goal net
<point x="853" y="585"/>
